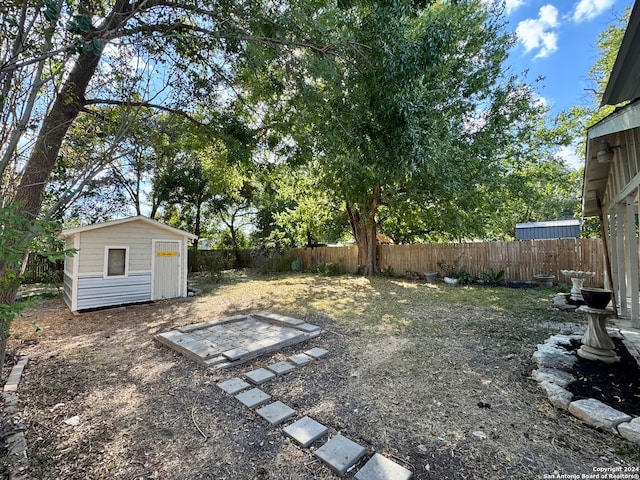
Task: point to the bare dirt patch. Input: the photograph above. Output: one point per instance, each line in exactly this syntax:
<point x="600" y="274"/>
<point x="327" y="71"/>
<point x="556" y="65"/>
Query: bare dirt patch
<point x="432" y="377"/>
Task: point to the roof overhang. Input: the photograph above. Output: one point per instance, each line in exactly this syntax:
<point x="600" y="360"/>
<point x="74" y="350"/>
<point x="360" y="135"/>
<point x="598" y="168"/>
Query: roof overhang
<point x="624" y="81"/>
<point x="140" y="218"/>
<point x="596" y="173"/>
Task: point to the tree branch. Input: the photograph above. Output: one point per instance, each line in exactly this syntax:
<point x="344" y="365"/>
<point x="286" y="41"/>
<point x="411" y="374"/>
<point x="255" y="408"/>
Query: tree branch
<point x="125" y="103"/>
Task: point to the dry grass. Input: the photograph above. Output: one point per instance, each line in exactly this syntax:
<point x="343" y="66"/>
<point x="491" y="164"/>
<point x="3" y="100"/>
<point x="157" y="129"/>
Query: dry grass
<point x="408" y="365"/>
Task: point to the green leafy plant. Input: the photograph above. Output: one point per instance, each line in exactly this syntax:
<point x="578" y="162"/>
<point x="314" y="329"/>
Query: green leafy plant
<point x="412" y="275"/>
<point x="329" y="268"/>
<point x="450" y="270"/>
<point x="388" y="272"/>
<point x="19" y="236"/>
<point x="493" y="278"/>
<point x="465" y="278"/>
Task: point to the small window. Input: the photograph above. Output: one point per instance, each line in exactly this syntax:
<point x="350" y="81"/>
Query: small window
<point x="116" y="261"/>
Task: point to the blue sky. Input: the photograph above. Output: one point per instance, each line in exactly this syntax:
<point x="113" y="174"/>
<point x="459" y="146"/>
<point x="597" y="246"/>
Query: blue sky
<point x="557" y="40"/>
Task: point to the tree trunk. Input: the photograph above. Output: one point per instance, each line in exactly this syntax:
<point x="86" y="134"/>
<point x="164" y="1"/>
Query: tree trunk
<point x="365" y="231"/>
<point x="36" y="174"/>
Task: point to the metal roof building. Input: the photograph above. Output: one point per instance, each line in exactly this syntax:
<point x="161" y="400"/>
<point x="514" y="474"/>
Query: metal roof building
<point x="550" y="229"/>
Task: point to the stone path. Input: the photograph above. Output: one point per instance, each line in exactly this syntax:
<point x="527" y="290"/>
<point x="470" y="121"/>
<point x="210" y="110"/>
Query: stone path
<point x="338" y="452"/>
<point x="234" y="340"/>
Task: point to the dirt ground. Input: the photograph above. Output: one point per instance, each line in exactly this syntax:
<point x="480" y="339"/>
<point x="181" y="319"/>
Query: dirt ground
<point x="433" y="377"/>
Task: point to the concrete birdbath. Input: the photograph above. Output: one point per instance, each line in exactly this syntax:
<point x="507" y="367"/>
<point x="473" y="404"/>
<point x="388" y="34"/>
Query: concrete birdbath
<point x="577" y="280"/>
<point x="596" y="343"/>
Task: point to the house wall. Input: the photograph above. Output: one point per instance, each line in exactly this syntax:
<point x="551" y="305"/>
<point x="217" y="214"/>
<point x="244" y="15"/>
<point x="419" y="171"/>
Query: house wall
<point x="85" y="284"/>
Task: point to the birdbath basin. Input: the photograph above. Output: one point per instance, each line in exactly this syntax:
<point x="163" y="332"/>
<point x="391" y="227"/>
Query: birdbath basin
<point x="577" y="281"/>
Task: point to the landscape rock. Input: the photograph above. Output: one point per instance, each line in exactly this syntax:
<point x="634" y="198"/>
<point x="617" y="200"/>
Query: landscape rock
<point x="631" y="430"/>
<point x="553" y="375"/>
<point x="561" y="340"/>
<point x="558" y="396"/>
<point x="551" y="356"/>
<point x="595" y="413"/>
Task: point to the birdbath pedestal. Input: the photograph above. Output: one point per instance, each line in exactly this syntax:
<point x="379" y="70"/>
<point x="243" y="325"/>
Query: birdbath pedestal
<point x="596" y="343"/>
<point x="577" y="281"/>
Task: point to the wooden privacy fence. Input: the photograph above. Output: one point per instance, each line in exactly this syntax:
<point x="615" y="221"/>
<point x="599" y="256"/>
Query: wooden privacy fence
<point x="40" y="269"/>
<point x="520" y="260"/>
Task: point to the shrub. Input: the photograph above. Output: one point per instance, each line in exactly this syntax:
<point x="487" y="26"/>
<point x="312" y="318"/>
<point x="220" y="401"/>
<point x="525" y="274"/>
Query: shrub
<point x="493" y="278"/>
<point x="387" y="272"/>
<point x="329" y="268"/>
<point x="215" y="264"/>
<point x="412" y="275"/>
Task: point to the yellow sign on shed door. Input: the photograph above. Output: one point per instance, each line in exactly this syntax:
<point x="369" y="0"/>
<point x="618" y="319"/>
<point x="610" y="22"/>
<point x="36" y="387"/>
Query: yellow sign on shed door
<point x="166" y="271"/>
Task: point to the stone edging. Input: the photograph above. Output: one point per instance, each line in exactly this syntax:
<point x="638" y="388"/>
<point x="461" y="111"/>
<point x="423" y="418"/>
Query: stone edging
<point x="553" y="376"/>
<point x="16" y="442"/>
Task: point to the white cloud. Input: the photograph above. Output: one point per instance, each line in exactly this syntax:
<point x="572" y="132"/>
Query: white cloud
<point x="512" y="5"/>
<point x="569" y="157"/>
<point x="590" y="9"/>
<point x="538" y="34"/>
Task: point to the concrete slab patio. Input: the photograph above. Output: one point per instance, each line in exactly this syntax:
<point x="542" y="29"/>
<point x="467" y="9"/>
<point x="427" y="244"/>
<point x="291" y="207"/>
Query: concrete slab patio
<point x="230" y="341"/>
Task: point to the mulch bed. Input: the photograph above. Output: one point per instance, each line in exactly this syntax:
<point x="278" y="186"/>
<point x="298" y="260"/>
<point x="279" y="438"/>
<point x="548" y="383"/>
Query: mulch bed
<point x="616" y="385"/>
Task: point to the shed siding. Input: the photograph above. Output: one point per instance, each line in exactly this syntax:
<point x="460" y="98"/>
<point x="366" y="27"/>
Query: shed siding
<point x="95" y="291"/>
<point x="134" y="234"/>
<point x="534" y="233"/>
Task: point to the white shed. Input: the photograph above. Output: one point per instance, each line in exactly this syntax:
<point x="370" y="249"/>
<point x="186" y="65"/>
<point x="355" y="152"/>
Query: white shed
<point x="131" y="260"/>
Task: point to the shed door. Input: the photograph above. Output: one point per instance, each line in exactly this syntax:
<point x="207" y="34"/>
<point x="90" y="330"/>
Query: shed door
<point x="166" y="269"/>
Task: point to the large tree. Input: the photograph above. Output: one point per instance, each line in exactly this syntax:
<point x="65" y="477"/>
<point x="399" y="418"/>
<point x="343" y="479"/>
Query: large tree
<point x="421" y="121"/>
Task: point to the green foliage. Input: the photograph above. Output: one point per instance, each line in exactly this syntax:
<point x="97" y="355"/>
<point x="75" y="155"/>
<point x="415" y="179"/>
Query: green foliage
<point x="277" y="263"/>
<point x="20" y="235"/>
<point x="388" y="271"/>
<point x="329" y="269"/>
<point x="450" y="270"/>
<point x="215" y="263"/>
<point x="412" y="131"/>
<point x="493" y="278"/>
<point x="412" y="275"/>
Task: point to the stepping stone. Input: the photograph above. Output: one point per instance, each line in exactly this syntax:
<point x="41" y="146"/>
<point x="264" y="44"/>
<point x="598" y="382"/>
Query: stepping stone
<point x="275" y="413"/>
<point x="316" y="352"/>
<point x="281" y="368"/>
<point x="340" y="454"/>
<point x="234" y="385"/>
<point x="259" y="376"/>
<point x="381" y="468"/>
<point x="300" y="359"/>
<point x="305" y="431"/>
<point x="253" y="398"/>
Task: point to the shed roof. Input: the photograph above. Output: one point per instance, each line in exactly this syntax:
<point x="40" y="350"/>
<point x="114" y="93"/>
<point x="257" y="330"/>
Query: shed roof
<point x="549" y="223"/>
<point x="139" y="218"/>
